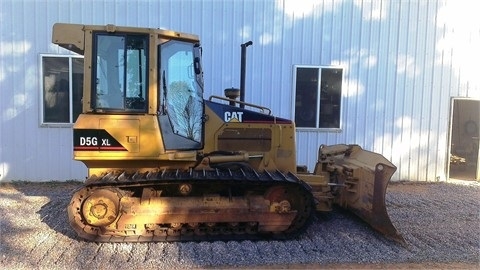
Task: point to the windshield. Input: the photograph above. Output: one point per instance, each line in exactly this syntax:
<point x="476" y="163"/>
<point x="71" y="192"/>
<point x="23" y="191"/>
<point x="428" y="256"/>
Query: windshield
<point x="182" y="88"/>
<point x="120" y="68"/>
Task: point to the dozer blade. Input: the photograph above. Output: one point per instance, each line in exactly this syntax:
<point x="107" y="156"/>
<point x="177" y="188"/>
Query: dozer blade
<point x="359" y="179"/>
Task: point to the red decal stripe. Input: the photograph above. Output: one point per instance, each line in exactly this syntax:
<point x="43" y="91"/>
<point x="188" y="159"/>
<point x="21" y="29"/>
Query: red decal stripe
<point x="96" y="148"/>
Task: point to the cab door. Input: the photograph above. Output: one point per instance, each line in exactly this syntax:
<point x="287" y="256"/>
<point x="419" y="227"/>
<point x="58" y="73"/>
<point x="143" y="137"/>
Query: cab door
<point x="181" y="96"/>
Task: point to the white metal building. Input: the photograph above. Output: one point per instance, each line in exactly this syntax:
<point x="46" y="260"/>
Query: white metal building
<point x="409" y="86"/>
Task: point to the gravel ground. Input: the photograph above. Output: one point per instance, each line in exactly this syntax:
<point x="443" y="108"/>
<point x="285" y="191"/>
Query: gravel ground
<point x="439" y="221"/>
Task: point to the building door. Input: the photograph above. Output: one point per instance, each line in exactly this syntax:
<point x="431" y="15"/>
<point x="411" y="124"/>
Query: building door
<point x="464" y="139"/>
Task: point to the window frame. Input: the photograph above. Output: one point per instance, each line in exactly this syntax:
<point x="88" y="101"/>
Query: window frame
<point x="71" y="122"/>
<point x="94" y="70"/>
<point x="317" y="102"/>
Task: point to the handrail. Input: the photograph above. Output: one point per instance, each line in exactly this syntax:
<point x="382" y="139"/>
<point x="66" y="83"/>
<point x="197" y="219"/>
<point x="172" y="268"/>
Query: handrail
<point x="263" y="109"/>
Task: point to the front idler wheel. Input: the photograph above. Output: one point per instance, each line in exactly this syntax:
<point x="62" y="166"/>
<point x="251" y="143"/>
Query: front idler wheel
<point x="101" y="208"/>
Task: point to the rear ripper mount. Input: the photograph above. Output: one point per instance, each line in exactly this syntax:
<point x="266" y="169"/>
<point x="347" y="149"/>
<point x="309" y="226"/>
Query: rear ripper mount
<point x="219" y="204"/>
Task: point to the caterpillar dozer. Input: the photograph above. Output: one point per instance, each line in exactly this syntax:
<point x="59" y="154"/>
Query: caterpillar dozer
<point x="165" y="164"/>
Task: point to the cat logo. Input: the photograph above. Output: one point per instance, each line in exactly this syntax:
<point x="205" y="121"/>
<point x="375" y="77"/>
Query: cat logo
<point x="233" y="116"/>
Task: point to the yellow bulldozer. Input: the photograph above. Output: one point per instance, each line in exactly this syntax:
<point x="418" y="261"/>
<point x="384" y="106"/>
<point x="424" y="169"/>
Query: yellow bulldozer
<point x="165" y="164"/>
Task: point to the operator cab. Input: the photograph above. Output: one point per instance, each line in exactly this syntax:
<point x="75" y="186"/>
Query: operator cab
<point x="122" y="83"/>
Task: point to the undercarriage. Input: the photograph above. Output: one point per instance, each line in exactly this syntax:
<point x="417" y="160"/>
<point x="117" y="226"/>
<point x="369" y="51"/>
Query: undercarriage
<point x="174" y="205"/>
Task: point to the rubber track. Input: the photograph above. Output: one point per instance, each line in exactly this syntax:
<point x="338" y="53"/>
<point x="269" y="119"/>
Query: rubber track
<point x="119" y="178"/>
<point x="240" y="177"/>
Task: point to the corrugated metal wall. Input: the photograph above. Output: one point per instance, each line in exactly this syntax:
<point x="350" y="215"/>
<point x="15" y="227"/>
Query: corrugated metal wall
<point x="403" y="61"/>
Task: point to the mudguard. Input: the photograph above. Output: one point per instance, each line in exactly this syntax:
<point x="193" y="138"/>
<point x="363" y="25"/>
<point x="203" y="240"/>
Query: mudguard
<point x="358" y="180"/>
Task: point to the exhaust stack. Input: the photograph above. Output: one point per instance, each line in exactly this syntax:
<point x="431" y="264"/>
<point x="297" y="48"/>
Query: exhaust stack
<point x="242" y="71"/>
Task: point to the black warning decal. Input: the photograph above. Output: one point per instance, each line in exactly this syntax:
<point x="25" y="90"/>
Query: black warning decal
<point x="95" y="140"/>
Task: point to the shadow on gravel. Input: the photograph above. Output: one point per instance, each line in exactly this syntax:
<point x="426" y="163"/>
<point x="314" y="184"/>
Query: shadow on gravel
<point x="33" y="219"/>
<point x="53" y="213"/>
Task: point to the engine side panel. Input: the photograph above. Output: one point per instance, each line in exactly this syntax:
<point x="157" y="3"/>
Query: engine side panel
<point x="269" y="140"/>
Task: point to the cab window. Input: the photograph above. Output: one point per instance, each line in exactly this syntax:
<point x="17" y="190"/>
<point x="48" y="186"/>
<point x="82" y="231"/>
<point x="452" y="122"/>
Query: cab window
<point x="120" y="72"/>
